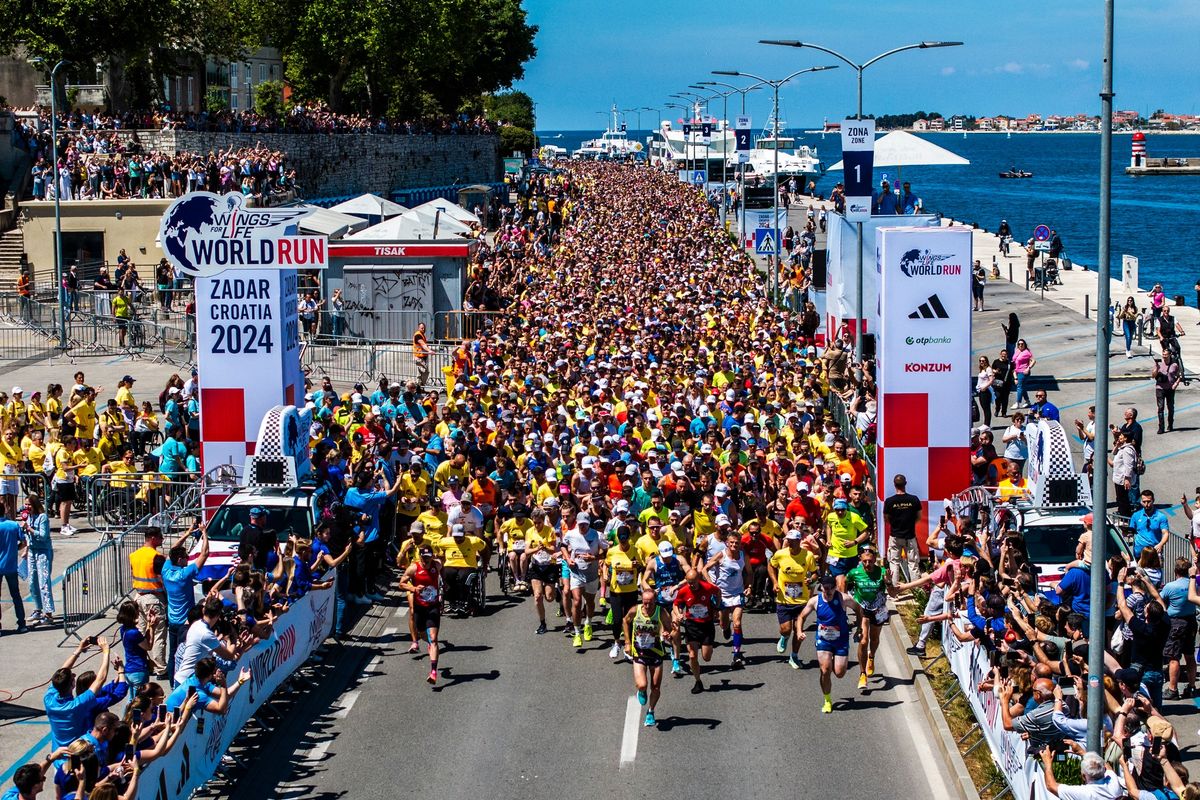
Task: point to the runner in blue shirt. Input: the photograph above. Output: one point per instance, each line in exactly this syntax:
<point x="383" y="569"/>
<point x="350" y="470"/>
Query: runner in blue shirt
<point x="1150" y="528"/>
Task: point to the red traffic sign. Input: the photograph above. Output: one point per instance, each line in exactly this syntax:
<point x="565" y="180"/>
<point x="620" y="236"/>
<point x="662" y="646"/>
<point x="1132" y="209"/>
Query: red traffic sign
<point x="1041" y="233"/>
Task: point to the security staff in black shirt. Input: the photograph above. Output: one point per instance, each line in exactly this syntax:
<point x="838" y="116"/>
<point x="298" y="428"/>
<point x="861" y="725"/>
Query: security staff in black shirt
<point x="902" y="511"/>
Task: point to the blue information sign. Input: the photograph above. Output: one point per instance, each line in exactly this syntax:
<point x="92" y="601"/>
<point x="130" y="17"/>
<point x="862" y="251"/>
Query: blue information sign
<point x="858" y="161"/>
<point x="764" y="241"/>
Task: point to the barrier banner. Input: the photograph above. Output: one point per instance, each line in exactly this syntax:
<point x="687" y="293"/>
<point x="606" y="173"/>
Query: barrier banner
<point x="926" y="379"/>
<point x="195" y="757"/>
<point x="969" y="663"/>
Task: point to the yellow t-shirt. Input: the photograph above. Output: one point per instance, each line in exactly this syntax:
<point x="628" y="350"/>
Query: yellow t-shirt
<point x="647" y="546"/>
<point x="435" y="526"/>
<point x="10" y="453"/>
<point x="125" y="398"/>
<point x="36" y="455"/>
<point x="1007" y="490"/>
<point x="117" y="469"/>
<point x="90" y="459"/>
<point x="462" y="552"/>
<point x="704" y="522"/>
<point x="447" y="470"/>
<point x="63" y="458"/>
<point x="516" y="534"/>
<point x="85" y="419"/>
<point x="409" y="487"/>
<point x="843" y="530"/>
<point x="792" y="573"/>
<point x="623" y="569"/>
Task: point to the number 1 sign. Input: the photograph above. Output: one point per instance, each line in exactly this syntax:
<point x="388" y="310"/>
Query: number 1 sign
<point x="858" y="162"/>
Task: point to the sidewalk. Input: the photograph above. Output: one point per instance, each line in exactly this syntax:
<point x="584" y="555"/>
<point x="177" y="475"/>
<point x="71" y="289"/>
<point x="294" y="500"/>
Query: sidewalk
<point x="31" y="658"/>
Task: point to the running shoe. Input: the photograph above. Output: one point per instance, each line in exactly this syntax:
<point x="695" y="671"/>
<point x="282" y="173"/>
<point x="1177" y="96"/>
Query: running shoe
<point x="739" y="661"/>
<point x="827" y="706"/>
<point x="697" y="687"/>
<point x="541" y="628"/>
<point x="916" y="650"/>
<point x="587" y="632"/>
<point x="676" y="670"/>
<point x="614" y="652"/>
<point x="862" y="680"/>
<point x="577" y="641"/>
<point x="603" y="602"/>
<point x="608" y="616"/>
<point x="781" y="645"/>
<point x="432" y="676"/>
<point x="792" y="662"/>
<point x="68" y="530"/>
<point x="650" y="721"/>
<point x="870" y="666"/>
<point x="641" y="696"/>
<point x="558" y="612"/>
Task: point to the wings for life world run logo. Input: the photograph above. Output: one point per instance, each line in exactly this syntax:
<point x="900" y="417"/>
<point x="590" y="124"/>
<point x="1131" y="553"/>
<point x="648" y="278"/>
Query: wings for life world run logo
<point x="204" y="233"/>
<point x="924" y="263"/>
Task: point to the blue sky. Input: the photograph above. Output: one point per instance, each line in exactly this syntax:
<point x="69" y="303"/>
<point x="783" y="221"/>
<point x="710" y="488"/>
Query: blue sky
<point x="1019" y="56"/>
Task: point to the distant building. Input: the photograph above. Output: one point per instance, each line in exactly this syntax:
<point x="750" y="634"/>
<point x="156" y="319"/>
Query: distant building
<point x="920" y="125"/>
<point x="937" y="124"/>
<point x="985" y="124"/>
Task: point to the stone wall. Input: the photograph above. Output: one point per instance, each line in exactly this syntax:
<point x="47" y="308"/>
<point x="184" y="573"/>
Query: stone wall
<point x="350" y="164"/>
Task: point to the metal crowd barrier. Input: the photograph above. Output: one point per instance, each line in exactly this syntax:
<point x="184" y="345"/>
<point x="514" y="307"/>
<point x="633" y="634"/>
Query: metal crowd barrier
<point x="113" y="503"/>
<point x="353" y="360"/>
<point x="458" y="325"/>
<point x="99" y="581"/>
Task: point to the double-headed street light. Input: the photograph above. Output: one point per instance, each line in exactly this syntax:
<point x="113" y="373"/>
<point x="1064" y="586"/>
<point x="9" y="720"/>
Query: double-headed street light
<point x="773" y="280"/>
<point x="743" y="91"/>
<point x="63" y="298"/>
<point x="858" y="68"/>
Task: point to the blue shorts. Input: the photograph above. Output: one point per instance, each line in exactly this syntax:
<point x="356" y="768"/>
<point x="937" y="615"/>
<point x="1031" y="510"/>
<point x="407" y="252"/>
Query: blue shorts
<point x="565" y="571"/>
<point x="841" y="647"/>
<point x="843" y="566"/>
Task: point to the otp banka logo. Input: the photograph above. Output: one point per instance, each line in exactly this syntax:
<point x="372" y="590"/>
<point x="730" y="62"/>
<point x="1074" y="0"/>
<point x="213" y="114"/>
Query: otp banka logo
<point x="922" y="263"/>
<point x="203" y="233"/>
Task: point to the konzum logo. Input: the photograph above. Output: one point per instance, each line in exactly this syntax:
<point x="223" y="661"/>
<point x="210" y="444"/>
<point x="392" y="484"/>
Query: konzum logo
<point x="927" y="367"/>
<point x="920" y="263"/>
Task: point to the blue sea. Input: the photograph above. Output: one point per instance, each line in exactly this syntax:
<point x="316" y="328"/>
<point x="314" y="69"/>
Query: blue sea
<point x="1156" y="219"/>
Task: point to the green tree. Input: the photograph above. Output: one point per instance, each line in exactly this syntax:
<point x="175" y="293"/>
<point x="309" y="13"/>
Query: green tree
<point x="215" y="101"/>
<point x="515" y="108"/>
<point x="268" y="98"/>
<point x="516" y="140"/>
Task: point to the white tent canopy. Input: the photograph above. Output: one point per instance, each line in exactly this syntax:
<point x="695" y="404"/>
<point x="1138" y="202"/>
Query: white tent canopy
<point x="902" y="149"/>
<point x="326" y="222"/>
<point x="414" y="225"/>
<point x="448" y="209"/>
<point x="369" y="205"/>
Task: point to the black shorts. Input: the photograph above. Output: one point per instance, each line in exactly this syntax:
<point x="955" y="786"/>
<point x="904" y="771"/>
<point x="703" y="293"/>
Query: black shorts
<point x="426" y="617"/>
<point x="546" y="573"/>
<point x="1181" y="639"/>
<point x="648" y="660"/>
<point x="704" y="633"/>
<point x="65" y="491"/>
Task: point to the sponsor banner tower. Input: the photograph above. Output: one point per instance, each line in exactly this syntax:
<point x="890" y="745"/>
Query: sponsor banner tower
<point x="925" y="372"/>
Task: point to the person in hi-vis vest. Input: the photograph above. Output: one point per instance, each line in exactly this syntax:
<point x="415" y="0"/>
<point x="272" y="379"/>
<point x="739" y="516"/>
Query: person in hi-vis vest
<point x="146" y="564"/>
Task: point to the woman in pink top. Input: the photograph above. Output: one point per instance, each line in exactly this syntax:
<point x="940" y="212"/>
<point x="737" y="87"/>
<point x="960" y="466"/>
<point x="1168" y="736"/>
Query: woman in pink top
<point x="1157" y="298"/>
<point x="1023" y="362"/>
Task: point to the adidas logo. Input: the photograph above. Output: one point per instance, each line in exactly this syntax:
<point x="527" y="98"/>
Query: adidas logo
<point x="930" y="309"/>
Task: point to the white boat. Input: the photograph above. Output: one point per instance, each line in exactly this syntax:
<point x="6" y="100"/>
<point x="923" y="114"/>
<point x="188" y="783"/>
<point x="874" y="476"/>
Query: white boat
<point x="613" y="144"/>
<point x="801" y="163"/>
<point x="671" y="148"/>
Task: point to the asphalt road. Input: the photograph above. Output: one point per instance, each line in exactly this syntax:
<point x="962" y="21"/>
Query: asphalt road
<point x="517" y="715"/>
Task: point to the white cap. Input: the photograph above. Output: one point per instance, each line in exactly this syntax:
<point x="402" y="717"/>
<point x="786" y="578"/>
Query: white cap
<point x="589" y="462"/>
<point x="666" y="549"/>
<point x="631" y="469"/>
<point x="722" y="519"/>
<point x="677" y="467"/>
<point x="721" y="490"/>
<point x="173" y="390"/>
<point x="583" y="520"/>
<point x="550" y="502"/>
<point x="621" y="506"/>
<point x="746" y="420"/>
<point x="794" y="535"/>
<point x="458" y="530"/>
<point x="846" y="476"/>
<point x="706" y="448"/>
<point x="551" y="475"/>
<point x="17" y="390"/>
<point x="802" y="486"/>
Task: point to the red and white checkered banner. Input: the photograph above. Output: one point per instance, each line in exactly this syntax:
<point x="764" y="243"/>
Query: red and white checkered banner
<point x="925" y="372"/>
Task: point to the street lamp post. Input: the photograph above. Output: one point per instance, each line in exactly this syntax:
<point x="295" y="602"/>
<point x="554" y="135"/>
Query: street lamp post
<point x="657" y="111"/>
<point x="1095" y="703"/>
<point x="741" y="167"/>
<point x="58" y="258"/>
<point x="858" y="68"/>
<point x="694" y="101"/>
<point x="773" y="280"/>
<point x="724" y="150"/>
<point x="685" y="111"/>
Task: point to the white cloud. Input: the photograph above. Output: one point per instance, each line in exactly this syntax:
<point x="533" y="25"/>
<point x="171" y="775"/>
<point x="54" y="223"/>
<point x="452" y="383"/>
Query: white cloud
<point x="1013" y="68"/>
<point x="1077" y="65"/>
<point x="948" y="70"/>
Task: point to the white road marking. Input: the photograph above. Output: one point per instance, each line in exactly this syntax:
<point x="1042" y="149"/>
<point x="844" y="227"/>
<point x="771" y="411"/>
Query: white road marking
<point x="402" y="611"/>
<point x="629" y="739"/>
<point x="317" y="751"/>
<point x="374" y="663"/>
<point x="918" y="730"/>
<point x="390" y="631"/>
<point x="346" y="704"/>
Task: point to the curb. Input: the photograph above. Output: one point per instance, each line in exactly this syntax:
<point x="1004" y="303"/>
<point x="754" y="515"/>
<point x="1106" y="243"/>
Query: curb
<point x="959" y="775"/>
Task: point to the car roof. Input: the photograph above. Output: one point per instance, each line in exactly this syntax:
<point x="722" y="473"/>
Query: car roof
<point x="269" y="496"/>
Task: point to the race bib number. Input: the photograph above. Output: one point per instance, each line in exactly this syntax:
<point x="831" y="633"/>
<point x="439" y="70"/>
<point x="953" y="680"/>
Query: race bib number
<point x="667" y="594"/>
<point x="831" y="560"/>
<point x="698" y="611"/>
<point x="541" y="557"/>
<point x="829" y="633"/>
<point x="793" y="591"/>
<point x="624" y="577"/>
<point x="645" y="641"/>
<point x="428" y="594"/>
<point x="518" y="545"/>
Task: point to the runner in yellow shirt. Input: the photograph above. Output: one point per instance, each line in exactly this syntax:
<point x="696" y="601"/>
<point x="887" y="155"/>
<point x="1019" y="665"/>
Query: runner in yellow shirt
<point x="656" y="533"/>
<point x="514" y="536"/>
<point x="619" y="570"/>
<point x="789" y="571"/>
<point x="846" y="530"/>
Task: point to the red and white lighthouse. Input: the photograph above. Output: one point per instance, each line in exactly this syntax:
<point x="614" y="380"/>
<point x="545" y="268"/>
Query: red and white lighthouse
<point x="1137" y="158"/>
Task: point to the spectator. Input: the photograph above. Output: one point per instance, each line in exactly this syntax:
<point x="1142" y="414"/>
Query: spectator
<point x="1099" y="782"/>
<point x="146" y="564"/>
<point x="63" y="706"/>
<point x="202" y="641"/>
<point x="10" y="538"/>
<point x="1150" y="633"/>
<point x="179" y="580"/>
<point x="1181" y="641"/>
<point x="1149" y="526"/>
<point x="41" y="560"/>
